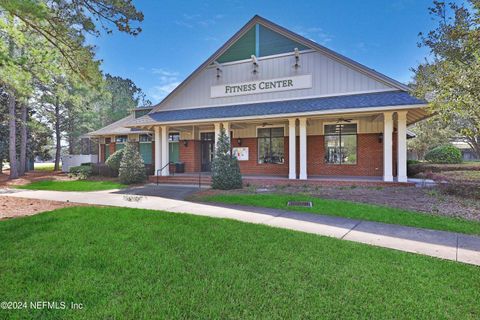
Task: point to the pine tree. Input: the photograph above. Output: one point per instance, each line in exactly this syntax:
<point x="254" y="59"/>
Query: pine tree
<point x="225" y="169"/>
<point x="132" y="168"/>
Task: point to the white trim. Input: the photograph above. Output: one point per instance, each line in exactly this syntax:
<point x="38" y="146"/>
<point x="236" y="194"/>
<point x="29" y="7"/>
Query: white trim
<point x="291" y="35"/>
<point x="290" y="115"/>
<point x="341" y="94"/>
<point x="273" y="56"/>
<point x="284" y="126"/>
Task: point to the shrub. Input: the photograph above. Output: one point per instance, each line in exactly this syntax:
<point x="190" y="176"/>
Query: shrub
<point x="80" y="172"/>
<point x="132" y="168"/>
<point x="225" y="169"/>
<point x="444" y="154"/>
<point x="113" y="161"/>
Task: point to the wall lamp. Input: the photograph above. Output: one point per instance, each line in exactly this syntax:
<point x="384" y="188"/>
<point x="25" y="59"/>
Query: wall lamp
<point x="239" y="141"/>
<point x="185" y="143"/>
<point x="380" y="137"/>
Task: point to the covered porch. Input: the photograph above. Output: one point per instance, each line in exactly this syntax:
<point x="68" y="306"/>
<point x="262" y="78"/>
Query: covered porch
<point x="366" y="147"/>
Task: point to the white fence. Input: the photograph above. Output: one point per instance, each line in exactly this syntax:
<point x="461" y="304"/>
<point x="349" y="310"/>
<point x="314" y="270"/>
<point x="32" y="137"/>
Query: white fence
<point x="76" y="160"/>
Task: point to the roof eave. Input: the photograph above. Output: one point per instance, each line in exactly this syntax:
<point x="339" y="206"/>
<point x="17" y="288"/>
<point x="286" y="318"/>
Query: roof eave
<point x="285" y="115"/>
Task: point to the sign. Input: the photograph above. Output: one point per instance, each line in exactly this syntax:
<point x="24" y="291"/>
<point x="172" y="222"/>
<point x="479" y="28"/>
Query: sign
<point x="261" y="86"/>
<point x="241" y="153"/>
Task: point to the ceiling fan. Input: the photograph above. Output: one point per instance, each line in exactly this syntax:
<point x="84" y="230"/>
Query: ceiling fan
<point x="343" y="120"/>
<point x="266" y="124"/>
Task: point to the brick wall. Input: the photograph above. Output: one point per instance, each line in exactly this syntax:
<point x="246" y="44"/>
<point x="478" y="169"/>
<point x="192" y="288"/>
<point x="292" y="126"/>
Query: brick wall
<point x="369" y="158"/>
<point x="253" y="167"/>
<point x="112" y="147"/>
<point x="101" y="156"/>
<point x="190" y="155"/>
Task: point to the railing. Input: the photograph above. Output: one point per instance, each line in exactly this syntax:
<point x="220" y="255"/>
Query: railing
<point x="161" y="169"/>
<point x="200" y="179"/>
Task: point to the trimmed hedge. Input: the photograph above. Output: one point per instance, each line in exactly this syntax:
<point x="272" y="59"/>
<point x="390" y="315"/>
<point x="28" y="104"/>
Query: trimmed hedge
<point x="444" y="154"/>
<point x="80" y="172"/>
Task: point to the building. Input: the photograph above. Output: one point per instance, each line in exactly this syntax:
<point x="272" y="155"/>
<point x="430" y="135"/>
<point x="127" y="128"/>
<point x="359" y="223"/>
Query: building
<point x="291" y="107"/>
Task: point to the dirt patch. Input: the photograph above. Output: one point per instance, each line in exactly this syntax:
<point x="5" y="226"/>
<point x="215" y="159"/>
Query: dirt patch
<point x="11" y="207"/>
<point x="30" y="177"/>
<point x="428" y="200"/>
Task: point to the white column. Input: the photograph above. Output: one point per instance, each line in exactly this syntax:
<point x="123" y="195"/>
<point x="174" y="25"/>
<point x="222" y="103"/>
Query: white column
<point x="217" y="133"/>
<point x="165" y="150"/>
<point x="303" y="148"/>
<point x="402" y="146"/>
<point x="158" y="151"/>
<point x="226" y="126"/>
<point x="387" y="146"/>
<point x="292" y="137"/>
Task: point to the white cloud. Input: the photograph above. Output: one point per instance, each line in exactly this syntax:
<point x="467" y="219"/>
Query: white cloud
<point x="160" y="92"/>
<point x="193" y="20"/>
<point x="315" y="34"/>
<point x="167" y="81"/>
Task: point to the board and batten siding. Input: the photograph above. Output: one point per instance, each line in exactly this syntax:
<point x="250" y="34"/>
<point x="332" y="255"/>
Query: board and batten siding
<point x="329" y="77"/>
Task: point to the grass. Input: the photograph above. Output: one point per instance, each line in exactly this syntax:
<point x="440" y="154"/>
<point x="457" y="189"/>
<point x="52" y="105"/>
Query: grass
<point x="47" y="166"/>
<point x="122" y="263"/>
<point x="350" y="210"/>
<point x="72" y="185"/>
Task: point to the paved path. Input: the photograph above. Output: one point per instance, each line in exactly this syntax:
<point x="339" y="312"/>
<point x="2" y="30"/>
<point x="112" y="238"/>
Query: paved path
<point x="441" y="244"/>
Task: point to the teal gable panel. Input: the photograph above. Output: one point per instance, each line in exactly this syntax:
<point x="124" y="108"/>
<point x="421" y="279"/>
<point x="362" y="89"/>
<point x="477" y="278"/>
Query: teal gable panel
<point x="271" y="42"/>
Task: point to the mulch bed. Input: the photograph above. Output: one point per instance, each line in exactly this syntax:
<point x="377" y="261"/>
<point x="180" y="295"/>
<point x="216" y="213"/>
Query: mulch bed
<point x="12" y="207"/>
<point x="428" y="200"/>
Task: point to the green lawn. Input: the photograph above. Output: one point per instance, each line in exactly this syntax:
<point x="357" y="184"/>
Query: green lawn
<point x="350" y="210"/>
<point x="48" y="166"/>
<point x="72" y="185"/>
<point x="137" y="264"/>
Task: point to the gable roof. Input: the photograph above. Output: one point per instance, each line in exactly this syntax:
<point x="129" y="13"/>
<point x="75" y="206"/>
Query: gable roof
<point x="296" y="37"/>
<point x="300" y="106"/>
<point x="118" y="128"/>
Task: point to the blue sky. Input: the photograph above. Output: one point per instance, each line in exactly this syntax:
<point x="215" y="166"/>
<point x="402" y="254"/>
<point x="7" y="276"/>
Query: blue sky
<point x="179" y="35"/>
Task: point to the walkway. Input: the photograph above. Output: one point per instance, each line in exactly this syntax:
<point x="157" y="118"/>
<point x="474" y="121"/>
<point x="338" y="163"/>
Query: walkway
<point x="441" y="244"/>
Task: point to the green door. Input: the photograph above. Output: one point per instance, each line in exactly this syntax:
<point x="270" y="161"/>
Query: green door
<point x="146" y="152"/>
<point x="174" y="152"/>
<point x="107" y="151"/>
<point x="119" y="146"/>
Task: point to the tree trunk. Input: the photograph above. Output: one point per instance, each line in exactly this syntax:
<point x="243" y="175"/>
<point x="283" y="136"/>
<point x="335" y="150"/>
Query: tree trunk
<point x="58" y="136"/>
<point x="474" y="143"/>
<point x="12" y="148"/>
<point x="23" y="140"/>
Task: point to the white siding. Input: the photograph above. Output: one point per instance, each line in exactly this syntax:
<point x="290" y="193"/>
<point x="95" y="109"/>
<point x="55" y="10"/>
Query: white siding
<point x="329" y="77"/>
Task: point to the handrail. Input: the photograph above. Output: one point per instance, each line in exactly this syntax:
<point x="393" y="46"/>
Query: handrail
<point x="161" y="169"/>
<point x="200" y="179"/>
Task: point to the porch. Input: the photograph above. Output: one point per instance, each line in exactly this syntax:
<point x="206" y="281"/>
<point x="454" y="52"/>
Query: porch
<point x="366" y="147"/>
<point x="204" y="179"/>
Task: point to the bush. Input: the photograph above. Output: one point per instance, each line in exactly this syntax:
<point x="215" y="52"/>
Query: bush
<point x="80" y="172"/>
<point x="444" y="154"/>
<point x="225" y="169"/>
<point x="132" y="168"/>
<point x="113" y="161"/>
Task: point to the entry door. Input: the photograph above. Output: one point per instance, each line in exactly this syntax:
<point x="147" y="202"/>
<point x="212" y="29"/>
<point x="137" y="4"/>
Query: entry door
<point x="207" y="150"/>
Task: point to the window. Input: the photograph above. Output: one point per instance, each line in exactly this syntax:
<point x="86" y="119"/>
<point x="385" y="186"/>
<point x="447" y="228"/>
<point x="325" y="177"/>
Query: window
<point x="174" y="137"/>
<point x="145" y="138"/>
<point x="341" y="144"/>
<point x="108" y="140"/>
<point x="270" y="145"/>
<point x="121" y="139"/>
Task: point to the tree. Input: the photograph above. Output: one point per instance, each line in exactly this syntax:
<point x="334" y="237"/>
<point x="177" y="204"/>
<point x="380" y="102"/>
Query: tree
<point x="430" y="133"/>
<point x="132" y="168"/>
<point x="225" y="169"/>
<point x="451" y="81"/>
<point x="63" y="24"/>
<point x="124" y="97"/>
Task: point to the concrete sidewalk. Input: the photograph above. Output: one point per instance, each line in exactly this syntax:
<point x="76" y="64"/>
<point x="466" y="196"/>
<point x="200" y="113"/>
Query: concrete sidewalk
<point x="441" y="244"/>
